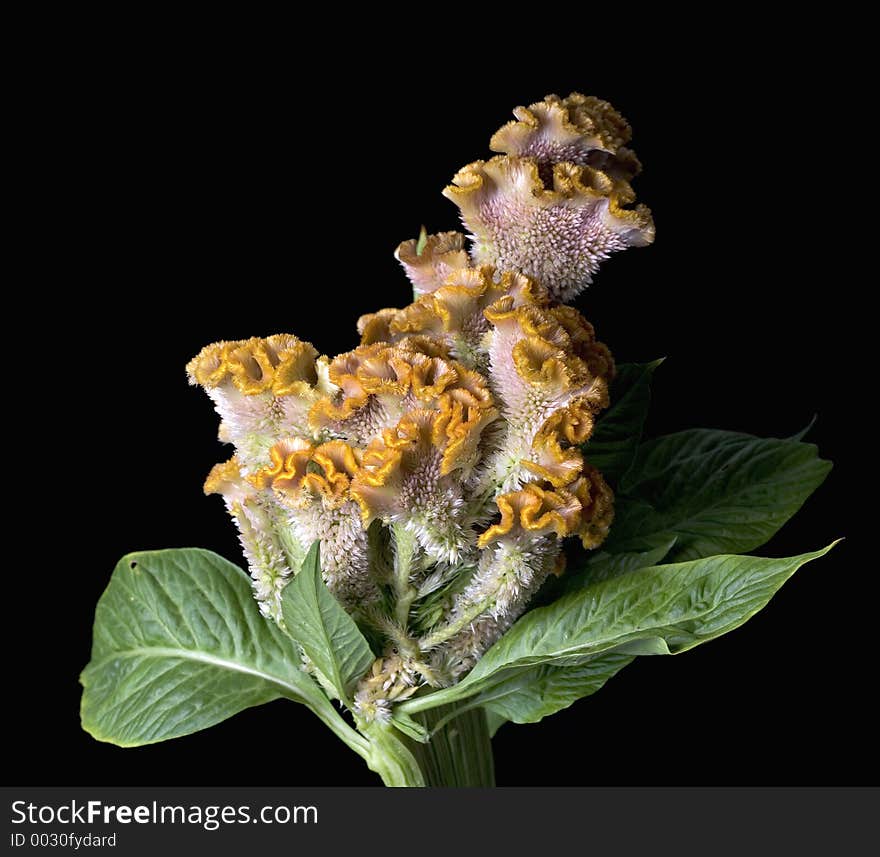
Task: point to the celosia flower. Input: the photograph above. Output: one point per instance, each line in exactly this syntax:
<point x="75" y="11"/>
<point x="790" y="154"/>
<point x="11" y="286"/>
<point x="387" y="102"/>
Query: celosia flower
<point x="313" y="483"/>
<point x="428" y="266"/>
<point x="439" y="463"/>
<point x="400" y="433"/>
<point x="454" y="314"/>
<point x="554" y="206"/>
<point x="431" y="475"/>
<point x="271" y="553"/>
<point x="580" y="129"/>
<point x="262" y="389"/>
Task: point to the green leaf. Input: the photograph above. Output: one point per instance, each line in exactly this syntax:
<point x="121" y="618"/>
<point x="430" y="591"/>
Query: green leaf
<point x="661" y="609"/>
<point x="536" y="692"/>
<point x="615" y="439"/>
<point x="714" y="491"/>
<point x="683" y="604"/>
<point x="179" y="645"/>
<point x="603" y="565"/>
<point x="494" y="722"/>
<point x="328" y="635"/>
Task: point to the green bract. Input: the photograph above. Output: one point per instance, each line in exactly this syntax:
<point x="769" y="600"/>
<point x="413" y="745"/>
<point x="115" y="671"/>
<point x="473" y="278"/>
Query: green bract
<point x="329" y="638"/>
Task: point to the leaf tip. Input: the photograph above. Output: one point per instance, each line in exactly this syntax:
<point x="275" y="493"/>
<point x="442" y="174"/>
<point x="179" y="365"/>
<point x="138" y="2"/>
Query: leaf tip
<point x="314" y="554"/>
<point x="818" y="554"/>
<point x="422" y="241"/>
<point x="800" y="435"/>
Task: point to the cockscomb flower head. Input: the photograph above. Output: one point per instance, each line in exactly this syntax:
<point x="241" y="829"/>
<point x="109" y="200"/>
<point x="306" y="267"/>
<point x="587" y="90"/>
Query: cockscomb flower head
<point x="555" y="205"/>
<point x="440" y="463"/>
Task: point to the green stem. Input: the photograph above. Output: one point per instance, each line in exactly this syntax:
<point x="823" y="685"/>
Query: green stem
<point x="458" y="754"/>
<point x="324" y="709"/>
<point x="390" y="756"/>
<point x="444" y="633"/>
<point x="405" y="592"/>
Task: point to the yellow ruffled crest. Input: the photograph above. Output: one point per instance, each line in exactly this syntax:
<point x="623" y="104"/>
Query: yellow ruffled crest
<point x="300" y="468"/>
<point x="453" y="315"/>
<point x="580" y="129"/>
<point x="295" y="372"/>
<point x="449" y="435"/>
<point x="428" y="266"/>
<point x="563" y="129"/>
<point x="280" y="364"/>
<point x="369" y="370"/>
<point x="531" y="321"/>
<point x="574" y="423"/>
<point x="418" y="317"/>
<point x="456" y="432"/>
<point x="557" y="234"/>
<point x="540" y="362"/>
<point x="458" y="303"/>
<point x="289" y="459"/>
<point x="377" y="487"/>
<point x="375" y="326"/>
<point x="208" y="367"/>
<point x="542" y="350"/>
<point x="338" y="463"/>
<point x="431" y="377"/>
<point x="507" y="179"/>
<point x="470" y="388"/>
<point x="392" y="379"/>
<point x="226" y="479"/>
<point x="551" y="461"/>
<point x="597" y="507"/>
<point x="583" y="341"/>
<point x="549" y="376"/>
<point x="428" y="345"/>
<point x="533" y="512"/>
<point x="373" y="369"/>
<point x="250" y="367"/>
<point x="584" y="508"/>
<point x="338" y="460"/>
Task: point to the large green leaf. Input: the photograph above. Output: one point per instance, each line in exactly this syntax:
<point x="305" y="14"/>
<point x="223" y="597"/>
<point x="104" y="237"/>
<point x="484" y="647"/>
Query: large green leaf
<point x="713" y="491"/>
<point x="536" y="692"/>
<point x="603" y="565"/>
<point x="664" y="609"/>
<point x="179" y="645"/>
<point x="327" y="634"/>
<point x="613" y="444"/>
<point x="683" y="605"/>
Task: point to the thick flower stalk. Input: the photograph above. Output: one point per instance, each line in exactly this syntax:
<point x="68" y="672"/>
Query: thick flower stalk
<point x="439" y="462"/>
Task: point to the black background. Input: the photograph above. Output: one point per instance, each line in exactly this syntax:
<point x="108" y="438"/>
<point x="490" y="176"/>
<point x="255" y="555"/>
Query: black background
<point x="197" y="195"/>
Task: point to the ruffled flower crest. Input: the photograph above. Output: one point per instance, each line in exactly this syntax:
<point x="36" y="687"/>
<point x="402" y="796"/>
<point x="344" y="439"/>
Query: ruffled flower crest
<point x="555" y="205"/>
<point x="428" y="263"/>
<point x="580" y="129"/>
